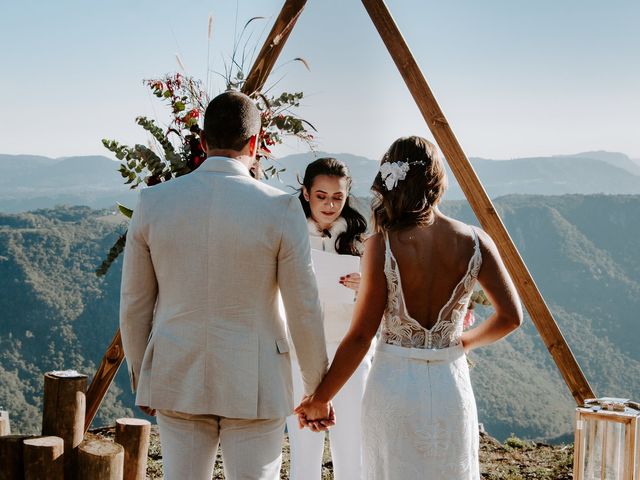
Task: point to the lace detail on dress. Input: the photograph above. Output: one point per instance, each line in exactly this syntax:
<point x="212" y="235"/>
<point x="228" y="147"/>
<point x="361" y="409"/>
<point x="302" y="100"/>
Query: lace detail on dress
<point x="399" y="328"/>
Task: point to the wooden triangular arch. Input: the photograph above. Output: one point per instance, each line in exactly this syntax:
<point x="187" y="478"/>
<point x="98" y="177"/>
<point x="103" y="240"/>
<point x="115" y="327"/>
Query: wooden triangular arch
<point x="462" y="169"/>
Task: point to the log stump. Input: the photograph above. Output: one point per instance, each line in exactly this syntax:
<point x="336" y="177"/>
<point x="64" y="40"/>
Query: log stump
<point x="12" y="456"/>
<point x="64" y="411"/>
<point x="133" y="434"/>
<point x="44" y="458"/>
<point x="100" y="460"/>
<point x="5" y="425"/>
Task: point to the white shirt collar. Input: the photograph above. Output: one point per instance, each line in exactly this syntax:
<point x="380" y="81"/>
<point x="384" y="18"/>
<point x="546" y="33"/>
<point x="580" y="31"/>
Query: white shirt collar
<point x="338" y="227"/>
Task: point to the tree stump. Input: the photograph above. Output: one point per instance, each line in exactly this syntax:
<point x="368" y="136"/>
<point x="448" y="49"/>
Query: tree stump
<point x="100" y="460"/>
<point x="5" y="425"/>
<point x="43" y="458"/>
<point x="12" y="457"/>
<point x="64" y="411"/>
<point x="133" y="434"/>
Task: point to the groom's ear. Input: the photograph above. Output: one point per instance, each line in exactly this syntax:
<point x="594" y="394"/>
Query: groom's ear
<point x="203" y="142"/>
<point x="253" y="146"/>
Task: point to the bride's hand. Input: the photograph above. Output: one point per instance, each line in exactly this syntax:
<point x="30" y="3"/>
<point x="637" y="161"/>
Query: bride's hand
<point x="315" y="415"/>
<point x="351" y="281"/>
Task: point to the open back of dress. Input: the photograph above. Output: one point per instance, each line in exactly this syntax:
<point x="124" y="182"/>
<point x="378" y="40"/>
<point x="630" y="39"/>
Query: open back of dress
<point x="399" y="328"/>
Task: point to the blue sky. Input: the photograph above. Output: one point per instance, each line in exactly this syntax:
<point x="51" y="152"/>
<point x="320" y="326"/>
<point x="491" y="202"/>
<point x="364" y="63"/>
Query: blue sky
<point x="514" y="78"/>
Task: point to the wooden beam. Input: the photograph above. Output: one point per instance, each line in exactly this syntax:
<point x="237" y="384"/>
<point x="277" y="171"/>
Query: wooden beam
<point x="256" y="79"/>
<point x="101" y="381"/>
<point x="479" y="200"/>
<point x="273" y="46"/>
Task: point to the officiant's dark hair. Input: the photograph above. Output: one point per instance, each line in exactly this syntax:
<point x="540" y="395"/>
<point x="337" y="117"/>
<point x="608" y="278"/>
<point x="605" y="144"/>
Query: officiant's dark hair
<point x="350" y="241"/>
<point x="413" y="199"/>
<point x="230" y="120"/>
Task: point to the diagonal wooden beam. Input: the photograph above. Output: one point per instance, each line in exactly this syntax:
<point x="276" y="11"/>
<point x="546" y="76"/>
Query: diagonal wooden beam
<point x="273" y="46"/>
<point x="256" y="79"/>
<point x="103" y="378"/>
<point x="479" y="200"/>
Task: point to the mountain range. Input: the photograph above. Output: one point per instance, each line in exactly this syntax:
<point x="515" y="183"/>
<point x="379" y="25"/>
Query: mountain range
<point x="581" y="249"/>
<point x="30" y="182"/>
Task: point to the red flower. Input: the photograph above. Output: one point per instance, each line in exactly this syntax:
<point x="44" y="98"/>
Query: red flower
<point x="152" y="180"/>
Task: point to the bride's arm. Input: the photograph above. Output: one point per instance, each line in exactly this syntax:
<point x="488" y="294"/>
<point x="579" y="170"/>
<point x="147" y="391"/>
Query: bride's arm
<point x="498" y="286"/>
<point x="368" y="311"/>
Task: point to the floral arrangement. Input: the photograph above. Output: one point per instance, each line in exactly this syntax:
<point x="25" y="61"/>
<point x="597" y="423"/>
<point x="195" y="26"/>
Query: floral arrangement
<point x="477" y="297"/>
<point x="187" y="100"/>
<point x="175" y="150"/>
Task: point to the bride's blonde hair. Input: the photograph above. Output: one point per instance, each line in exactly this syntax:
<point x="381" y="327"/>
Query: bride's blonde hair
<point x="412" y="200"/>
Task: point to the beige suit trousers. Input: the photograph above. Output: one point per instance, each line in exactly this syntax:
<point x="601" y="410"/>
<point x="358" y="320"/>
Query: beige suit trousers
<point x="251" y="449"/>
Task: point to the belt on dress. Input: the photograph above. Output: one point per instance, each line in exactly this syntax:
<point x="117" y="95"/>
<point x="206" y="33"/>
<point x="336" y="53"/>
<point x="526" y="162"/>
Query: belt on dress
<point x="428" y="355"/>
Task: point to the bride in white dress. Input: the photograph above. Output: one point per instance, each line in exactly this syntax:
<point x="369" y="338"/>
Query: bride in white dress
<point x="419" y="415"/>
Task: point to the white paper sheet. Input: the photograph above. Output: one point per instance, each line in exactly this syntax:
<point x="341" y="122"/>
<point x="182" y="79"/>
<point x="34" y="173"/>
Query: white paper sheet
<point x="329" y="267"/>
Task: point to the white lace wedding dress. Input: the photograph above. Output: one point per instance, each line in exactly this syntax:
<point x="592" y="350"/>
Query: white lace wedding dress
<point x="419" y="414"/>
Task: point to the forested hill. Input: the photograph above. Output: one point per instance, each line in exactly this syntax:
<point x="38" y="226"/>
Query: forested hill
<point x="582" y="251"/>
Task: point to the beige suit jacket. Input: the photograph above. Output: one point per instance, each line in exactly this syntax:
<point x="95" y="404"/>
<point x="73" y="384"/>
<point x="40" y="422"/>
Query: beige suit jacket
<point x="205" y="256"/>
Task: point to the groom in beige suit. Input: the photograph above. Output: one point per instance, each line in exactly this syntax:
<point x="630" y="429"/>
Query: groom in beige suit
<point x="206" y="347"/>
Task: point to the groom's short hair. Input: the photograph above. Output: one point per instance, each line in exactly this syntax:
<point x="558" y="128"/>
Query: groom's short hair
<point x="230" y="120"/>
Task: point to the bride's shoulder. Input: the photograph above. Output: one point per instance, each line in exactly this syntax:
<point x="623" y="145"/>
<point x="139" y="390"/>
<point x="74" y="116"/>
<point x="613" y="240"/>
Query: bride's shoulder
<point x="374" y="244"/>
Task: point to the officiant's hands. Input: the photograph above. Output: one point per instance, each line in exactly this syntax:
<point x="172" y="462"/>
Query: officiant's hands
<point x="352" y="281"/>
<point x="316" y="415"/>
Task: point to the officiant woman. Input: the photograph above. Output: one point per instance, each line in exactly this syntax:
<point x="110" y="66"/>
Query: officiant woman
<point x="338" y="228"/>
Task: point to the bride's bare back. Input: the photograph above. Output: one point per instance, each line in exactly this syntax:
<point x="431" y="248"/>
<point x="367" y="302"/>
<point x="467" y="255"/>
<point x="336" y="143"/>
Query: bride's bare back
<point x="431" y="262"/>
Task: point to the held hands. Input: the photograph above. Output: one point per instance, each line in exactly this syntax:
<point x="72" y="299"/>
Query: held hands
<point x="317" y="416"/>
<point x="352" y="281"/>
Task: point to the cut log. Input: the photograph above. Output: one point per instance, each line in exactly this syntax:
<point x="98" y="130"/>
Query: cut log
<point x="43" y="458"/>
<point x="64" y="413"/>
<point x="133" y="434"/>
<point x="100" y="460"/>
<point x="12" y="456"/>
<point x="5" y="425"/>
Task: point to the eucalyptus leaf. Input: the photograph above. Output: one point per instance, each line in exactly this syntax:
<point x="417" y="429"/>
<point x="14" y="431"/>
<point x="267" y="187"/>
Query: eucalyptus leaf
<point x="126" y="211"/>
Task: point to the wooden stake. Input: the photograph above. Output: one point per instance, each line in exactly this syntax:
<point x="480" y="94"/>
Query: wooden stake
<point x="43" y="458"/>
<point x="256" y="79"/>
<point x="273" y="45"/>
<point x="133" y="434"/>
<point x="64" y="413"/>
<point x="479" y="200"/>
<point x="101" y="381"/>
<point x="12" y="456"/>
<point x="100" y="460"/>
<point x="5" y="424"/>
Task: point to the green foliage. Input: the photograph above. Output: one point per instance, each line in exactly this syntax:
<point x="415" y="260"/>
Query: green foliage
<point x="517" y="443"/>
<point x="581" y="250"/>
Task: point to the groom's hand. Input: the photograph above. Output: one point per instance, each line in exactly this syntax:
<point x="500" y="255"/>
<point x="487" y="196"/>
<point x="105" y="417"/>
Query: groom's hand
<point x="315" y="415"/>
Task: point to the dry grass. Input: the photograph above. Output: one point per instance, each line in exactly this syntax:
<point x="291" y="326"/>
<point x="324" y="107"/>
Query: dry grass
<point x="514" y="460"/>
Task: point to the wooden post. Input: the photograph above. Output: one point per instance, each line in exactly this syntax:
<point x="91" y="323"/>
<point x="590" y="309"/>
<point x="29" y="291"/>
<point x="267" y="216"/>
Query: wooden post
<point x="5" y="424"/>
<point x="64" y="413"/>
<point x="479" y="200"/>
<point x="100" y="460"/>
<point x="43" y="458"/>
<point x="12" y="456"/>
<point x="272" y="47"/>
<point x="102" y="379"/>
<point x="133" y="434"/>
<point x="256" y="79"/>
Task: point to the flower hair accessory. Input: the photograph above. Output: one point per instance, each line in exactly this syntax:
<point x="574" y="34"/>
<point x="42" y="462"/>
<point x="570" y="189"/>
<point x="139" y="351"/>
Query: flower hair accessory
<point x="392" y="172"/>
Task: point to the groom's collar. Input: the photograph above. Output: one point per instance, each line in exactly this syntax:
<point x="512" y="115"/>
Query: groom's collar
<point x="224" y="165"/>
